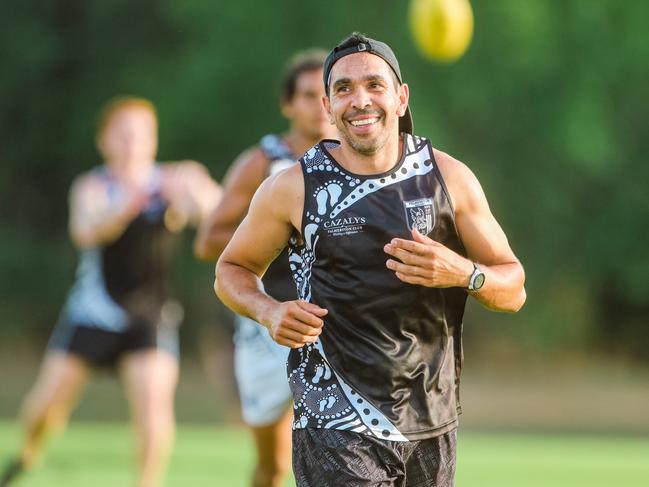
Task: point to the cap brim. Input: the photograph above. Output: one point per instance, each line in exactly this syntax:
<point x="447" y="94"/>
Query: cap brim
<point x="405" y="122"/>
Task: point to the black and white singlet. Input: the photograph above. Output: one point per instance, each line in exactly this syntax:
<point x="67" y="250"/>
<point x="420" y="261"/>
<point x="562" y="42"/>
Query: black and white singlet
<point x="388" y="360"/>
<point x="124" y="283"/>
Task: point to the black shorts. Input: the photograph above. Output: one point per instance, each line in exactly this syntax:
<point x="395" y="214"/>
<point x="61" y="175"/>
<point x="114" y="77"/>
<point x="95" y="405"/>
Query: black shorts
<point x="335" y="458"/>
<point x="101" y="347"/>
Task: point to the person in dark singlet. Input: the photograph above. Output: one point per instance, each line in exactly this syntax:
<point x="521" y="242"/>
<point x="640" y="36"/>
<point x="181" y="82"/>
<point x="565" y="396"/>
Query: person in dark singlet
<point x="260" y="363"/>
<point x="125" y="217"/>
<point x="388" y="236"/>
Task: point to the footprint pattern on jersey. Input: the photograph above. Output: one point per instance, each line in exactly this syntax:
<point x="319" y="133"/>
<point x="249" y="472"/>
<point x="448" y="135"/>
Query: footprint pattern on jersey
<point x="318" y="397"/>
<point x="327" y="196"/>
<point x="322" y="398"/>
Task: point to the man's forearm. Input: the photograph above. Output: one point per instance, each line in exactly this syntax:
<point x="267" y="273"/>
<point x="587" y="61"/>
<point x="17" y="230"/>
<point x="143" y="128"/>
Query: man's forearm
<point x="242" y="291"/>
<point x="503" y="289"/>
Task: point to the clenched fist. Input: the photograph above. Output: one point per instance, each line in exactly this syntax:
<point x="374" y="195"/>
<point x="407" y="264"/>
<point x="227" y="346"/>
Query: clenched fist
<point x="295" y="323"/>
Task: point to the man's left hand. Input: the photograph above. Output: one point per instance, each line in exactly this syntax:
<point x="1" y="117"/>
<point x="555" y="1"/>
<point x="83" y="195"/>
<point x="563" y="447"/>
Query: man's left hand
<point x="425" y="262"/>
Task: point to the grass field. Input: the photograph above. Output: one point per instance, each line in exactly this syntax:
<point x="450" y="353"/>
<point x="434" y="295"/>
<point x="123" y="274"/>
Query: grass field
<point x="99" y="455"/>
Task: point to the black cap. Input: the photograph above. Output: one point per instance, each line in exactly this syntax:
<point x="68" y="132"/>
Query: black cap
<point x="359" y="43"/>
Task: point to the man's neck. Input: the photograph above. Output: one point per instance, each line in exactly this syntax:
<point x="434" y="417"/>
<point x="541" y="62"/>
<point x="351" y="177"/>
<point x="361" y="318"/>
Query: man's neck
<point x="367" y="164"/>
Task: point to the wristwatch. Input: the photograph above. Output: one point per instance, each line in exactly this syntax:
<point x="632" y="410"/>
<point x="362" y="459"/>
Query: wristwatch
<point x="476" y="281"/>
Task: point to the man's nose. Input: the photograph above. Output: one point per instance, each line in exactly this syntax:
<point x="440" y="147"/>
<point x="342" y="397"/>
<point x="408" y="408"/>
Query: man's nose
<point x="361" y="99"/>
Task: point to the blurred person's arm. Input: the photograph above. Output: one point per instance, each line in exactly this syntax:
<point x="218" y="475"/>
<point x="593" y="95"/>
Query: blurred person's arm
<point x="190" y="190"/>
<point x="95" y="217"/>
<point x="275" y="213"/>
<point x="241" y="181"/>
<point x="425" y="262"/>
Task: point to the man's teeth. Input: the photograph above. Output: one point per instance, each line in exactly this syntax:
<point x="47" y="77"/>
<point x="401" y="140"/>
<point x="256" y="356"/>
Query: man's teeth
<point x="367" y="121"/>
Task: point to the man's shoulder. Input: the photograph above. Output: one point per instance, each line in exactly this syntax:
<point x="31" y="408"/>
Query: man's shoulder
<point x="448" y="164"/>
<point x="285" y="185"/>
<point x="281" y="193"/>
<point x="460" y="180"/>
<point x="286" y="180"/>
<point x="441" y="158"/>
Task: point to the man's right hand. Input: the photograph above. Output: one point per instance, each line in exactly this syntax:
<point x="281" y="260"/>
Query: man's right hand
<point x="295" y="323"/>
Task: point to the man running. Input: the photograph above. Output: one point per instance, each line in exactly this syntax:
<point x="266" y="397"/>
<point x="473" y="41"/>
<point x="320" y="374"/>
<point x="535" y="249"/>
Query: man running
<point x="124" y="217"/>
<point x="387" y="237"/>
<point x="260" y="363"/>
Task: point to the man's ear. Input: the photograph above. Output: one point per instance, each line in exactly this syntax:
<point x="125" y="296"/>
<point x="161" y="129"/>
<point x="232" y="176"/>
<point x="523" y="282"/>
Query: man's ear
<point x="327" y="106"/>
<point x="286" y="107"/>
<point x="404" y="97"/>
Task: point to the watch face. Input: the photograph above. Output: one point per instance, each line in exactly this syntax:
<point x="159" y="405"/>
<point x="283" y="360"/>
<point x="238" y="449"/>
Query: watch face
<point x="478" y="282"/>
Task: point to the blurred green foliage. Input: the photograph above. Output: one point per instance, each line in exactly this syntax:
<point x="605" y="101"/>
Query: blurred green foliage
<point x="548" y="107"/>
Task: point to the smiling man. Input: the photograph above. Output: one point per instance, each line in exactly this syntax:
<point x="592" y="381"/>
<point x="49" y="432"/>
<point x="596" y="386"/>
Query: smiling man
<point x="387" y="237"/>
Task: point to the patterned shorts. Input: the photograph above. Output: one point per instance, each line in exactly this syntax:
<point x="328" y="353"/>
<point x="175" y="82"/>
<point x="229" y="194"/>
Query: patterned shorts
<point x="334" y="458"/>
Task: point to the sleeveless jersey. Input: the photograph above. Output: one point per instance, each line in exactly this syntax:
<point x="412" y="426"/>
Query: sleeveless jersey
<point x="388" y="360"/>
<point x="124" y="282"/>
<point x="278" y="281"/>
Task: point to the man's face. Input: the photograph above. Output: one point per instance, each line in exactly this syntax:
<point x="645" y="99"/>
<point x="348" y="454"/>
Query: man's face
<point x="129" y="141"/>
<point x="365" y="101"/>
<point x="305" y="110"/>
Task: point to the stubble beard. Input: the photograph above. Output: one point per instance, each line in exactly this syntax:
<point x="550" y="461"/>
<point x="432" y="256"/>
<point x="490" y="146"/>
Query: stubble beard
<point x="365" y="147"/>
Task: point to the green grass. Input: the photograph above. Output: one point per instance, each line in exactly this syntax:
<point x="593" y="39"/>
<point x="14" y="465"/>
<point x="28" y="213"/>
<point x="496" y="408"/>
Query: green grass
<point x="517" y="460"/>
<point x="99" y="455"/>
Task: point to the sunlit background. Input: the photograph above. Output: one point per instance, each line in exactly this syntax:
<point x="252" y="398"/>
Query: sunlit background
<point x="549" y="107"/>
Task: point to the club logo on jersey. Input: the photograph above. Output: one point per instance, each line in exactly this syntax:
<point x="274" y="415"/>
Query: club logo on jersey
<point x="420" y="214"/>
<point x="338" y="227"/>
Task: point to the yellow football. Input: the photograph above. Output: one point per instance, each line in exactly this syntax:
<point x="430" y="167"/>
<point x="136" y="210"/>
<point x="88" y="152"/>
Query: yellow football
<point x="442" y="29"/>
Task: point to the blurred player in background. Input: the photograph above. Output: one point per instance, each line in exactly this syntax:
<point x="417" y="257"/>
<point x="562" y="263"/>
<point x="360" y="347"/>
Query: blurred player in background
<point x="124" y="218"/>
<point x="260" y="363"/>
<point x="387" y="237"/>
